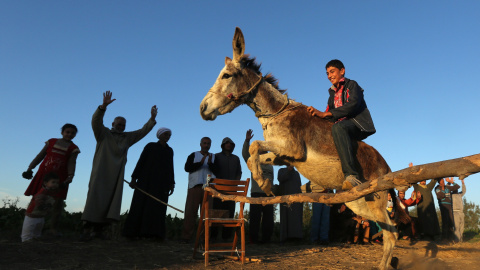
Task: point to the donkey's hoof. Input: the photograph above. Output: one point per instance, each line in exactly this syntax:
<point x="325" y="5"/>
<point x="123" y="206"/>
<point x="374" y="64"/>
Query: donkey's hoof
<point x="394" y="262"/>
<point x="346" y="186"/>
<point x="266" y="186"/>
<point x="350" y="182"/>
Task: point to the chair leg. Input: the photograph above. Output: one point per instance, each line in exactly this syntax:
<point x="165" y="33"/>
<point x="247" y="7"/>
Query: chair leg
<point x="235" y="241"/>
<point x="242" y="235"/>
<point x="197" y="237"/>
<point x="201" y="226"/>
<point x="207" y="240"/>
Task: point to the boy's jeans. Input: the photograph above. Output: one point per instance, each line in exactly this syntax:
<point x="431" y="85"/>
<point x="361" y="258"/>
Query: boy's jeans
<point x="346" y="136"/>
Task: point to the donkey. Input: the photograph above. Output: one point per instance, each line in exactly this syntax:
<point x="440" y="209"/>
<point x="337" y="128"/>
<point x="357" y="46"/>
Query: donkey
<point x="293" y="136"/>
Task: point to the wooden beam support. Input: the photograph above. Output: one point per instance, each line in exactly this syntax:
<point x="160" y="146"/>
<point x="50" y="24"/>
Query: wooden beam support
<point x="402" y="179"/>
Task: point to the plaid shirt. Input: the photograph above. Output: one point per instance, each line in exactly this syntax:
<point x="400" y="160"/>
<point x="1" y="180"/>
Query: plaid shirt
<point x="338" y="100"/>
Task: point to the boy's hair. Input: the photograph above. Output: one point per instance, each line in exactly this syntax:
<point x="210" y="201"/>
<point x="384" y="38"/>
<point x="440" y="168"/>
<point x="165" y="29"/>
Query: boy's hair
<point x="49" y="176"/>
<point x="335" y="63"/>
<point x="68" y="125"/>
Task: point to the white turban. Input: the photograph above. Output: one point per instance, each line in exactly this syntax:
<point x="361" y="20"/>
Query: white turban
<point x="162" y="130"/>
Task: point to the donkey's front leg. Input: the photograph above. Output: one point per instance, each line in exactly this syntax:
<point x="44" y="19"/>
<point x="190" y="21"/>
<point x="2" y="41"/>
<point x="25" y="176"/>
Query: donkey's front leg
<point x="272" y="157"/>
<point x="253" y="164"/>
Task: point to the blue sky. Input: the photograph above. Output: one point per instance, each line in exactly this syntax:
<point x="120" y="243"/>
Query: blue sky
<point x="415" y="59"/>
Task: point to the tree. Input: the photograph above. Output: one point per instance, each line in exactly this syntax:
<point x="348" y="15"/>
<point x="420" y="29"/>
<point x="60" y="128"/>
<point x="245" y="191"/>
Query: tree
<point x="307" y="213"/>
<point x="472" y="215"/>
<point x="307" y="216"/>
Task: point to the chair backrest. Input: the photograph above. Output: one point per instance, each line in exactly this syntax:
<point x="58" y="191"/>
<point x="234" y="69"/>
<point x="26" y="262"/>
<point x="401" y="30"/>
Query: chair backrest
<point x="228" y="187"/>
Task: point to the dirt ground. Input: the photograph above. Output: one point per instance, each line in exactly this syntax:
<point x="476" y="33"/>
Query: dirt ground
<point x="68" y="253"/>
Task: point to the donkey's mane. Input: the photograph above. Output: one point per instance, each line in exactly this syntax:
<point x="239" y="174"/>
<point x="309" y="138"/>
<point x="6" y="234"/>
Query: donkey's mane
<point x="251" y="63"/>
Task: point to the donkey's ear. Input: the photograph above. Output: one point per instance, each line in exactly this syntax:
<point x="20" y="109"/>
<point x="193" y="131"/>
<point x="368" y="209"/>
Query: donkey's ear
<point x="227" y="60"/>
<point x="238" y="44"/>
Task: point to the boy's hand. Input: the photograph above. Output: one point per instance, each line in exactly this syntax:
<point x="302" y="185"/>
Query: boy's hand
<point x="315" y="112"/>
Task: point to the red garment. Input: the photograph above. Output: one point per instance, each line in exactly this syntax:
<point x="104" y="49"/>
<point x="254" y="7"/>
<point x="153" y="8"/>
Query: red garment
<point x="56" y="160"/>
<point x="41" y="203"/>
<point x="338" y="99"/>
<point x="409" y="202"/>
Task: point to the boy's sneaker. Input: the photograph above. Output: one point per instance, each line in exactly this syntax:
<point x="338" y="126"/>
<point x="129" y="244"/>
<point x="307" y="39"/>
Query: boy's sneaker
<point x="350" y="182"/>
<point x="311" y="187"/>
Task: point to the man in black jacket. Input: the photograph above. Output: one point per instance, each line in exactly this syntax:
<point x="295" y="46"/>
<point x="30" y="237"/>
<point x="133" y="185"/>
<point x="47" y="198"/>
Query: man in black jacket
<point x="347" y="108"/>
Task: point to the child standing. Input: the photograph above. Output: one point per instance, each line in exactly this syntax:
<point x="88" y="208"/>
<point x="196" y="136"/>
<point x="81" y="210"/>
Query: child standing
<point x="59" y="156"/>
<point x="39" y="206"/>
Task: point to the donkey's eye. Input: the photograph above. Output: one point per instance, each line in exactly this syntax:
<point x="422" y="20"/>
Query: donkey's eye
<point x="226" y="76"/>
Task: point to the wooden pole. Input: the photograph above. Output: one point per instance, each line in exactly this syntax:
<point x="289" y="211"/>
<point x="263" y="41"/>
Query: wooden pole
<point x="402" y="179"/>
<point x="153" y="197"/>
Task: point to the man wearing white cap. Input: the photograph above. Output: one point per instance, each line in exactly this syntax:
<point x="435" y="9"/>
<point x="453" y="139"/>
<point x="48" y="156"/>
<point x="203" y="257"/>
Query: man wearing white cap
<point x="154" y="174"/>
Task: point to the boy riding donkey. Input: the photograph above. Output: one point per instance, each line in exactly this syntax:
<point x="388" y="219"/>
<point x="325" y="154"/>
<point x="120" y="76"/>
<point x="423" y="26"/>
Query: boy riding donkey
<point x="353" y="123"/>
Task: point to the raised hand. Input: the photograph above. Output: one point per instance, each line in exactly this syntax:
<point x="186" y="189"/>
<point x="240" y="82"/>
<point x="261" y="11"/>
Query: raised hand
<point x="154" y="112"/>
<point x="449" y="180"/>
<point x="410" y="164"/>
<point x="107" y="99"/>
<point x="249" y="135"/>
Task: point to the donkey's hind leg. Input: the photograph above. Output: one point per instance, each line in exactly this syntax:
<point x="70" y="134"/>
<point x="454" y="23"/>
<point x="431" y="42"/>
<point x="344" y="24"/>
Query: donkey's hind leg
<point x="390" y="234"/>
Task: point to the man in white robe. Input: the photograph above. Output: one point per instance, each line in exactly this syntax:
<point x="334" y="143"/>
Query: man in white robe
<point x="105" y="189"/>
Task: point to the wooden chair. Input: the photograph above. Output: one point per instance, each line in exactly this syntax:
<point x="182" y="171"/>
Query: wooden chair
<point x="208" y="219"/>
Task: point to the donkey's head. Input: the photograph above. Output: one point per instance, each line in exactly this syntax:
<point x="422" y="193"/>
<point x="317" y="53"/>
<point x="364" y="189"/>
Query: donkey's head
<point x="234" y="83"/>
